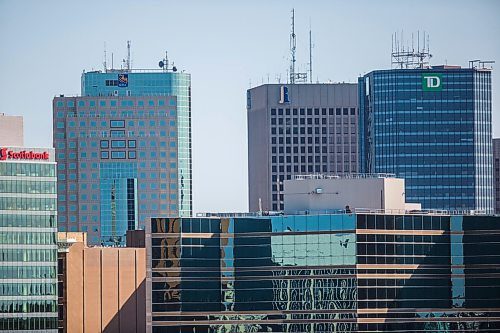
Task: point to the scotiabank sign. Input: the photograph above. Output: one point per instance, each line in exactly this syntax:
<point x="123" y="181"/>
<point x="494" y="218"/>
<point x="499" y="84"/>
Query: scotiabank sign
<point x="6" y="154"/>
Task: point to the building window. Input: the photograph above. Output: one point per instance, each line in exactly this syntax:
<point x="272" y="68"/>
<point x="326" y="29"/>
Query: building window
<point x="118" y="144"/>
<point x="104" y="144"/>
<point x="117" y="134"/>
<point x="117" y="123"/>
<point x="118" y="155"/>
<point x="104" y="154"/>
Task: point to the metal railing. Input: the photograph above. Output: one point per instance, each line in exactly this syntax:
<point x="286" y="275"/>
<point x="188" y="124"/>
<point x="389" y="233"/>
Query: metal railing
<point x="441" y="212"/>
<point x="344" y="176"/>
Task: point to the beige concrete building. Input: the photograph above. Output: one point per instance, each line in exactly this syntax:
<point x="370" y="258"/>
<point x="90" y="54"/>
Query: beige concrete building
<point x="101" y="289"/>
<point x="11" y="130"/>
<point x="317" y="192"/>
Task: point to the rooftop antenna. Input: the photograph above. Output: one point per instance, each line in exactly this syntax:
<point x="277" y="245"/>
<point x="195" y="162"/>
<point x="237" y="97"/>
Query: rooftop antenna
<point x="112" y="65"/>
<point x="409" y="57"/>
<point x="105" y="64"/>
<point x="293" y="76"/>
<point x="128" y="56"/>
<point x="310" y="54"/>
<point x="293" y="46"/>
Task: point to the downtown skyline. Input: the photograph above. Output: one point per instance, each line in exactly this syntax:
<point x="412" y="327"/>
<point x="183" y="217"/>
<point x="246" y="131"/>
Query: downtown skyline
<point x="47" y="47"/>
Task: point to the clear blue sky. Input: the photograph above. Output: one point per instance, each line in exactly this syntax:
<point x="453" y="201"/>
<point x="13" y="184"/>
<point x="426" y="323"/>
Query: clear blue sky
<point x="225" y="45"/>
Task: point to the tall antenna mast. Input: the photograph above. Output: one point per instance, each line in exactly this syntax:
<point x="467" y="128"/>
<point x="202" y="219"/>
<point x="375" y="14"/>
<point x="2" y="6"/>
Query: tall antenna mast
<point x="408" y="57"/>
<point x="128" y="55"/>
<point x="105" y="60"/>
<point x="293" y="46"/>
<point x="310" y="55"/>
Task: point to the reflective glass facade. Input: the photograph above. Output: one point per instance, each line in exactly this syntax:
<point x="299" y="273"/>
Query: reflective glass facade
<point x="123" y="152"/>
<point x="325" y="273"/>
<point x="438" y="138"/>
<point x="156" y="83"/>
<point x="118" y="186"/>
<point x="28" y="251"/>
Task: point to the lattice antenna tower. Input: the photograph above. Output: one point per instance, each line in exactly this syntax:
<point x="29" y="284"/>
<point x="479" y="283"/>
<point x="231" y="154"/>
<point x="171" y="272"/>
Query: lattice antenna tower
<point x="105" y="64"/>
<point x="410" y="58"/>
<point x="128" y="55"/>
<point x="310" y="54"/>
<point x="294" y="76"/>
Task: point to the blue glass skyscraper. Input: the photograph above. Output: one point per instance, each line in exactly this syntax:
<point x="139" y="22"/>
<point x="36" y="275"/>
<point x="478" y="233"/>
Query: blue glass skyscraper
<point x="124" y="151"/>
<point x="431" y="126"/>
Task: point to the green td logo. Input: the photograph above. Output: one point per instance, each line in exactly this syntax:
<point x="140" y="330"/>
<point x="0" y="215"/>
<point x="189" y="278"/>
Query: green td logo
<point x="431" y="82"/>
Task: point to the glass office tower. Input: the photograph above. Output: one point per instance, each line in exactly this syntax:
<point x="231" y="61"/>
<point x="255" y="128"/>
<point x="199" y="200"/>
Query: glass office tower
<point x="124" y="152"/>
<point x="433" y="128"/>
<point x="369" y="272"/>
<point x="28" y="249"/>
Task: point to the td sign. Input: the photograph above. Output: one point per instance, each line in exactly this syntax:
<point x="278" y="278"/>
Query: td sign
<point x="431" y="82"/>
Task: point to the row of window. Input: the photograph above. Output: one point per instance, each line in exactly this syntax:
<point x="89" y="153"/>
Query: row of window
<point x="28" y="272"/>
<point x="82" y="103"/>
<point x="28" y="169"/>
<point x="27" y="289"/>
<point x="114" y="143"/>
<point x="311" y="121"/>
<point x="324" y="140"/>
<point x="27" y="323"/>
<point x="37" y="255"/>
<point x="309" y="111"/>
<point x="28" y="221"/>
<point x="27" y="186"/>
<point x="142" y="154"/>
<point x="317" y="149"/>
<point x="142" y="186"/>
<point x="119" y="143"/>
<point x="313" y="130"/>
<point x="121" y="114"/>
<point x="37" y="204"/>
<point x="105" y="134"/>
<point x="119" y="155"/>
<point x="25" y="306"/>
<point x="42" y="238"/>
<point x="84" y="218"/>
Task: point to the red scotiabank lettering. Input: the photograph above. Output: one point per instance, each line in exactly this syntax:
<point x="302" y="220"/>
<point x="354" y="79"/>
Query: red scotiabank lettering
<point x="27" y="155"/>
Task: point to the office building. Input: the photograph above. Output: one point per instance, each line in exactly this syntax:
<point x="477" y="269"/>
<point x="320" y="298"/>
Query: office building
<point x="124" y="152"/>
<point x="359" y="272"/>
<point x="28" y="249"/>
<point x="11" y="130"/>
<point x="101" y="289"/>
<point x="496" y="173"/>
<point x="298" y="129"/>
<point x="351" y="269"/>
<point x="431" y="126"/>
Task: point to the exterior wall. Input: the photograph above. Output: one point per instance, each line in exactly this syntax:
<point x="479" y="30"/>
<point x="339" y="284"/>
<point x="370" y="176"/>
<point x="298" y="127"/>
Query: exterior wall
<point x="438" y="140"/>
<point x="496" y="173"/>
<point x="315" y="131"/>
<point x="28" y="250"/>
<point x="104" y="289"/>
<point x="325" y="273"/>
<point x="106" y="194"/>
<point x="155" y="83"/>
<point x="336" y="193"/>
<point x="11" y="131"/>
<point x="136" y="238"/>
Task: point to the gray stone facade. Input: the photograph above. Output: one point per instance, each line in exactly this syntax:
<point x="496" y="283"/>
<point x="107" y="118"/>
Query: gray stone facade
<point x="298" y="129"/>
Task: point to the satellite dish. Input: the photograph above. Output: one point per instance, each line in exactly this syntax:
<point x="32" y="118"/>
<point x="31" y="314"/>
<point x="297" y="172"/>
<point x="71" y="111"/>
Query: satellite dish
<point x="161" y="64"/>
<point x="174" y="69"/>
